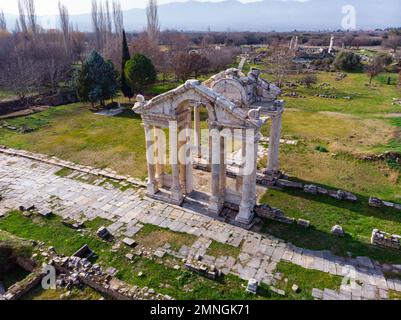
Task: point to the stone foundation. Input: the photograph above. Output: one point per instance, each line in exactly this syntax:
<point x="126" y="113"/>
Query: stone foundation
<point x="385" y="240"/>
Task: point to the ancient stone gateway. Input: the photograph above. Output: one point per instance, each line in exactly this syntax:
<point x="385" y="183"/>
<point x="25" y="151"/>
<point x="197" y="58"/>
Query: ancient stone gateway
<point x="233" y="105"/>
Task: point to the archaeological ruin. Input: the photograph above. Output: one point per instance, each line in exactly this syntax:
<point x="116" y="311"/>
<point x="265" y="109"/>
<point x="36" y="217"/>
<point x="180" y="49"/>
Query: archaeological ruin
<point x="236" y="107"/>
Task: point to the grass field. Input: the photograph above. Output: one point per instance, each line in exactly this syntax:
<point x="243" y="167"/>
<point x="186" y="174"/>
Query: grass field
<point x="6" y="95"/>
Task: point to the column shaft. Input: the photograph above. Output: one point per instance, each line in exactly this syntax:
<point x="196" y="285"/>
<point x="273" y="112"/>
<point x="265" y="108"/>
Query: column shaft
<point x="150" y="158"/>
<point x="197" y="133"/>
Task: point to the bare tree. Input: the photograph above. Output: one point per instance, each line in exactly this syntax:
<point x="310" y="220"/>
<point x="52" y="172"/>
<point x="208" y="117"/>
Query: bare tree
<point x="31" y="16"/>
<point x="3" y="23"/>
<point x="21" y="75"/>
<point x="96" y="25"/>
<point x="279" y="63"/>
<point x="374" y="67"/>
<point x="17" y="28"/>
<point x="65" y="26"/>
<point x="22" y="18"/>
<point x="108" y="18"/>
<point x="392" y="42"/>
<point x="153" y="27"/>
<point x="118" y="18"/>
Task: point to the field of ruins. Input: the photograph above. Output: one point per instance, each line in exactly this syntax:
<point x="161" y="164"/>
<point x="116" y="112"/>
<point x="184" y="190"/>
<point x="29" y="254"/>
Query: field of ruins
<point x="84" y="192"/>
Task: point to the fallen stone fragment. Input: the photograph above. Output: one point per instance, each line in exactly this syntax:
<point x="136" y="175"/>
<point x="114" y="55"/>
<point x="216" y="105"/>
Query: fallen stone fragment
<point x="295" y="288"/>
<point x="375" y="202"/>
<point x="252" y="286"/>
<point x="337" y="230"/>
<point x="129" y="242"/>
<point x="303" y="223"/>
<point x="103" y="233"/>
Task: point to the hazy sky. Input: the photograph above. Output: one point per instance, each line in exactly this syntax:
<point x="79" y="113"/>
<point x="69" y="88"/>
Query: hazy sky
<point x="45" y="7"/>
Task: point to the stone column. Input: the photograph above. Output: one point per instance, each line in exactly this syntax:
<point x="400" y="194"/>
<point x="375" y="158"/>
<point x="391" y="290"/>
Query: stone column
<point x="273" y="165"/>
<point x="209" y="165"/>
<point x="181" y="158"/>
<point x="223" y="168"/>
<point x="176" y="193"/>
<point x="189" y="158"/>
<point x="214" y="202"/>
<point x="246" y="213"/>
<point x="161" y="156"/>
<point x="150" y="158"/>
<point x="254" y="173"/>
<point x="197" y="134"/>
<point x="240" y="176"/>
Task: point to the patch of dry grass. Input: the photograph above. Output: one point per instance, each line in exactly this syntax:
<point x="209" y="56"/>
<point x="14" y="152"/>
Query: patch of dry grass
<point x="154" y="237"/>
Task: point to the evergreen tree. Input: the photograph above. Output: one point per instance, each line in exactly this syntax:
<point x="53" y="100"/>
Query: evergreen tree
<point x="140" y="72"/>
<point x="125" y="87"/>
<point x="97" y="80"/>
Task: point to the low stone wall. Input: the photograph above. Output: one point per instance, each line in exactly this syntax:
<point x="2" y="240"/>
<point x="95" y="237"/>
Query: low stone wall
<point x="266" y="212"/>
<point x="21" y="288"/>
<point x="378" y="203"/>
<point x="385" y="240"/>
<point x="57" y="99"/>
<point x="313" y="189"/>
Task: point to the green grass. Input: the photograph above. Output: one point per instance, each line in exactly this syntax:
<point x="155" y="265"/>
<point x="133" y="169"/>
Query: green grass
<point x="6" y="95"/>
<point x="217" y="249"/>
<point x="305" y="279"/>
<point x="64" y="172"/>
<point x="365" y="99"/>
<point x="176" y="283"/>
<point x="75" y="133"/>
<point x="39" y="293"/>
<point x="394" y="295"/>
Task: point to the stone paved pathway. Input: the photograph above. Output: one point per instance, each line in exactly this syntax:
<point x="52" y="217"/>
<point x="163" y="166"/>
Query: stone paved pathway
<point x="26" y="181"/>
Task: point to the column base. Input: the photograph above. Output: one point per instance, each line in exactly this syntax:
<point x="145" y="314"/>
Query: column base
<point x="176" y="197"/>
<point x="215" y="206"/>
<point x="273" y="174"/>
<point x="152" y="188"/>
<point x="160" y="180"/>
<point x="245" y="216"/>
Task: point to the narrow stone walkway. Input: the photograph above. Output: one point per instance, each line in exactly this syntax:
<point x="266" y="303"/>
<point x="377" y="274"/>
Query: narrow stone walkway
<point x="26" y="181"/>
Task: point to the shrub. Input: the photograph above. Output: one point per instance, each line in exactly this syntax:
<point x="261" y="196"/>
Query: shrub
<point x="347" y="61"/>
<point x="321" y="149"/>
<point x="140" y="72"/>
<point x="309" y="79"/>
<point x="96" y="80"/>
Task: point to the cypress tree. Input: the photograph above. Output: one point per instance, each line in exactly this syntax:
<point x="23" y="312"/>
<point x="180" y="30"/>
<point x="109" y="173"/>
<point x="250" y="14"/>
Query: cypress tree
<point x="125" y="87"/>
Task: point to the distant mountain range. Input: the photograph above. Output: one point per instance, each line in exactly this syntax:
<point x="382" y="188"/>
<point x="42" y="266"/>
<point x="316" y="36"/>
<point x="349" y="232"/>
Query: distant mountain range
<point x="265" y="15"/>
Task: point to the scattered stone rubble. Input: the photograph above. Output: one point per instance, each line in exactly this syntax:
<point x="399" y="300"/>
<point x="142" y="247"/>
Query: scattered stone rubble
<point x="75" y="271"/>
<point x="386" y="156"/>
<point x="21" y="129"/>
<point x="204" y="270"/>
<point x="385" y="240"/>
<point x="396" y="102"/>
<point x="293" y="95"/>
<point x="340" y="76"/>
